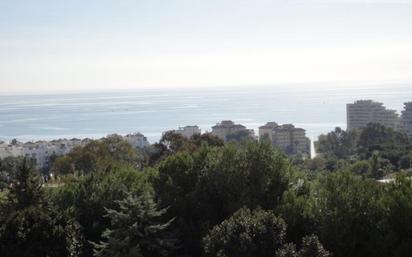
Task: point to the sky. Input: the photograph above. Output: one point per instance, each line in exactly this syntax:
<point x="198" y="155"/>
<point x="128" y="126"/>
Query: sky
<point x="54" y="45"/>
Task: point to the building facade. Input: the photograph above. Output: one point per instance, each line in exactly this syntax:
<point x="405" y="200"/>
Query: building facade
<point x="137" y="140"/>
<point x="362" y="112"/>
<point x="189" y="131"/>
<point x="266" y="130"/>
<point x="42" y="151"/>
<point x="227" y="127"/>
<point x="286" y="137"/>
<point x="406" y="118"/>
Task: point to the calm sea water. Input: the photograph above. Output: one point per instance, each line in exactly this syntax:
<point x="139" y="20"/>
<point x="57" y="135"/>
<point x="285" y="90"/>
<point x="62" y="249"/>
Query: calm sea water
<point x="34" y="117"/>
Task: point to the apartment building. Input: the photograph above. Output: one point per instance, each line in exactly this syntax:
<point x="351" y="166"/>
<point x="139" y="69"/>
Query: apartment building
<point x="362" y="112"/>
<point x="406" y="118"/>
<point x="188" y="131"/>
<point x="137" y="140"/>
<point x="286" y="137"/>
<point x="227" y="127"/>
<point x="42" y="151"/>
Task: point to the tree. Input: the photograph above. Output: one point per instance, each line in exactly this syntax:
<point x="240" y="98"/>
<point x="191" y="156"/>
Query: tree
<point x="207" y="186"/>
<point x="207" y="138"/>
<point x="29" y="226"/>
<point x="405" y="162"/>
<point x="397" y="199"/>
<point x="287" y="250"/>
<point x="338" y="143"/>
<point x="9" y="168"/>
<point x="388" y="143"/>
<point x="311" y="247"/>
<point x="363" y="168"/>
<point x="135" y="230"/>
<point x="110" y="152"/>
<point x="349" y="215"/>
<point x="87" y="196"/>
<point x="247" y="233"/>
<point x="296" y="210"/>
<point x="175" y="142"/>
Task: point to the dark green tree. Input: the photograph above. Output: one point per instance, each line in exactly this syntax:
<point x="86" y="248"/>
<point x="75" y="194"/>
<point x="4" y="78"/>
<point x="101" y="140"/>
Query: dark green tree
<point x="29" y="226"/>
<point x="388" y="143"/>
<point x="287" y="250"/>
<point x="398" y="201"/>
<point x="110" y="152"/>
<point x="349" y="215"/>
<point x="207" y="138"/>
<point x="207" y="186"/>
<point x="135" y="230"/>
<point x="86" y="197"/>
<point x="247" y="233"/>
<point x="338" y="143"/>
<point x="239" y="136"/>
<point x="311" y="247"/>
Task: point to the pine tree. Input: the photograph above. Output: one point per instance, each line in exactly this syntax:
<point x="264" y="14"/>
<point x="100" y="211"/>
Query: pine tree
<point x="28" y="225"/>
<point x="136" y="230"/>
<point x="311" y="247"/>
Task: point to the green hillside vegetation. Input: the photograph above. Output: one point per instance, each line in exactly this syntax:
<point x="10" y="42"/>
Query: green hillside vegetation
<point x="199" y="197"/>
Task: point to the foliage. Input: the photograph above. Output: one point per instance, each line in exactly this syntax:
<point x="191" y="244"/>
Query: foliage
<point x="135" y="229"/>
<point x="311" y="247"/>
<point x="207" y="138"/>
<point x="338" y="143"/>
<point x="247" y="233"/>
<point x="112" y="151"/>
<point x="349" y="214"/>
<point x="89" y="195"/>
<point x="377" y="138"/>
<point x="398" y="201"/>
<point x="172" y="142"/>
<point x="296" y="210"/>
<point x="233" y="198"/>
<point x="209" y="185"/>
<point x="9" y="168"/>
<point x="29" y="225"/>
<point x="363" y="144"/>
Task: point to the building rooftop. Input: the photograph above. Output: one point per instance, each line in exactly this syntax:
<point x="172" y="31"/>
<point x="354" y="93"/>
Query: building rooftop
<point x="269" y="125"/>
<point x="228" y="124"/>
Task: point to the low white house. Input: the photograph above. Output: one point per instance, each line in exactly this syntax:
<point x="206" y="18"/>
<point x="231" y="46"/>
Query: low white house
<point x="41" y="151"/>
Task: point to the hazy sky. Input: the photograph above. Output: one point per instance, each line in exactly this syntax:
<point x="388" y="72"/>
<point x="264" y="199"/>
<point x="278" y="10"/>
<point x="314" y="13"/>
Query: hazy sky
<point x="101" y="44"/>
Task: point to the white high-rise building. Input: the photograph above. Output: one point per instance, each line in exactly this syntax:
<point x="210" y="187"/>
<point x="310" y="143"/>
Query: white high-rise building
<point x="407" y="118"/>
<point x="137" y="140"/>
<point x="228" y="127"/>
<point x="286" y="137"/>
<point x="189" y="131"/>
<point x="363" y="112"/>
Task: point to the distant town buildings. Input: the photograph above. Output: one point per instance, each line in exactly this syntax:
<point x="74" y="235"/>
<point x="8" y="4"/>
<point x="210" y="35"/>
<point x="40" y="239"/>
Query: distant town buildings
<point x="406" y="118"/>
<point x="42" y="151"/>
<point x="286" y="137"/>
<point x="227" y="128"/>
<point x="188" y="131"/>
<point x="266" y="131"/>
<point x="362" y="112"/>
<point x="137" y="140"/>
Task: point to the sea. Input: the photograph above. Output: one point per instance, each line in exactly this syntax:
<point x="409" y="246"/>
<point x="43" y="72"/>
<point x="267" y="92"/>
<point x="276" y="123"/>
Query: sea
<point x="32" y="117"/>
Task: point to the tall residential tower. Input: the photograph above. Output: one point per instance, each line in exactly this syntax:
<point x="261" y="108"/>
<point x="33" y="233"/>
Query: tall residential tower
<point x="406" y="118"/>
<point x="362" y="112"/>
